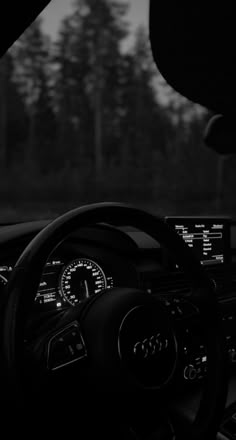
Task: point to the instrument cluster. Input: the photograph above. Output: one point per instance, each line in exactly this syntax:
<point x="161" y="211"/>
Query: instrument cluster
<point x="65" y="284"/>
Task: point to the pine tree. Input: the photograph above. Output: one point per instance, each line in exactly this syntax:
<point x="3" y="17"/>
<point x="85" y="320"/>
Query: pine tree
<point x="13" y="118"/>
<point x="32" y="72"/>
<point x="88" y="56"/>
<point x="3" y="111"/>
<point x="145" y="122"/>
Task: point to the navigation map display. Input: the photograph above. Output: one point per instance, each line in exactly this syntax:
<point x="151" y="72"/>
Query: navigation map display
<point x="208" y="237"/>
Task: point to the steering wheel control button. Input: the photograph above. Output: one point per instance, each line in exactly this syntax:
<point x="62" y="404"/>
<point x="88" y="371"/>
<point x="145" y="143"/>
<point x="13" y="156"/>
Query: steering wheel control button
<point x="66" y="347"/>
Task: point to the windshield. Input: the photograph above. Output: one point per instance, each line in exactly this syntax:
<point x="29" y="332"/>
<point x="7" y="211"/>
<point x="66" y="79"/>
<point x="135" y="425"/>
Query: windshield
<point x="85" y="116"/>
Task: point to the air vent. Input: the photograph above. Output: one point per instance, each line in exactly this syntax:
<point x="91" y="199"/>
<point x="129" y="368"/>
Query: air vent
<point x="176" y="282"/>
<point x="169" y="283"/>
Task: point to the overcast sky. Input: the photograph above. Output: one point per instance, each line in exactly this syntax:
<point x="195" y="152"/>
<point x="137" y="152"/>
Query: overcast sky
<point x="138" y="14"/>
<point x="57" y="9"/>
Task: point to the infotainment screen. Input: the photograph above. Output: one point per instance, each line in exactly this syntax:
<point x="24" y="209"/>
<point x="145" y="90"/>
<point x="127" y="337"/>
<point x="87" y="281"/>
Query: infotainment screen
<point x="208" y="237"/>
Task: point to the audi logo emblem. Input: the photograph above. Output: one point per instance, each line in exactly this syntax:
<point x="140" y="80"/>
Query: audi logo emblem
<point x="150" y="347"/>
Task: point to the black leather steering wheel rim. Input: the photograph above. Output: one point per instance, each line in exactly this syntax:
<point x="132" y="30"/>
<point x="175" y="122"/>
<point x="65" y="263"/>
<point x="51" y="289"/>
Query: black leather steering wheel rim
<point x="26" y="277"/>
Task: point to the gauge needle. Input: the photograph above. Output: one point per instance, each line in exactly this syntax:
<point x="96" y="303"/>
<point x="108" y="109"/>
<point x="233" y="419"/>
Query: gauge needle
<point x="86" y="289"/>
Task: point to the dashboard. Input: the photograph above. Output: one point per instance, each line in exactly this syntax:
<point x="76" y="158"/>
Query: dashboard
<point x="103" y="257"/>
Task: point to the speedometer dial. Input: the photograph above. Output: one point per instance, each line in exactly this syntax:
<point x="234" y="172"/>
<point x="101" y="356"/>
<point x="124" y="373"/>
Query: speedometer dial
<point x="81" y="279"/>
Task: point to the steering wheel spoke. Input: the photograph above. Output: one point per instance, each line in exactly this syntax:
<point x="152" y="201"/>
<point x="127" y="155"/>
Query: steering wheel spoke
<point x="65" y="347"/>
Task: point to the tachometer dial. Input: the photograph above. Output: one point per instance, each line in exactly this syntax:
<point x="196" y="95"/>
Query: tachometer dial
<point x="81" y="279"/>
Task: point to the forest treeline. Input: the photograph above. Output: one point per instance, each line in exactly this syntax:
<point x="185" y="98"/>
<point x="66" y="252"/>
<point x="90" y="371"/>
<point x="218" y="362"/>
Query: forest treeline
<point x="83" y="118"/>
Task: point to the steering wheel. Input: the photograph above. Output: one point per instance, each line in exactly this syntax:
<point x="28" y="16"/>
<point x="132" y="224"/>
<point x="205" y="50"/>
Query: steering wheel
<point x="120" y="343"/>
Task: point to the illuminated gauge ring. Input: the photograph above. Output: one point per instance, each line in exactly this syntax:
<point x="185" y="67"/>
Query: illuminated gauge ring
<point x="81" y="279"/>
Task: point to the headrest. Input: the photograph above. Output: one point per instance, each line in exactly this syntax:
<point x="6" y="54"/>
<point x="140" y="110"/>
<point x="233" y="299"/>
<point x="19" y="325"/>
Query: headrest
<point x="220" y="135"/>
<point x="194" y="47"/>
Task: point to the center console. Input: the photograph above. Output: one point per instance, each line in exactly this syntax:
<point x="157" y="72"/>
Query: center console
<point x="209" y="239"/>
<point x="194" y="354"/>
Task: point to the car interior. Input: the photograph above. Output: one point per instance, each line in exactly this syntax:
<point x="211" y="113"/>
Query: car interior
<point x="117" y="323"/>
